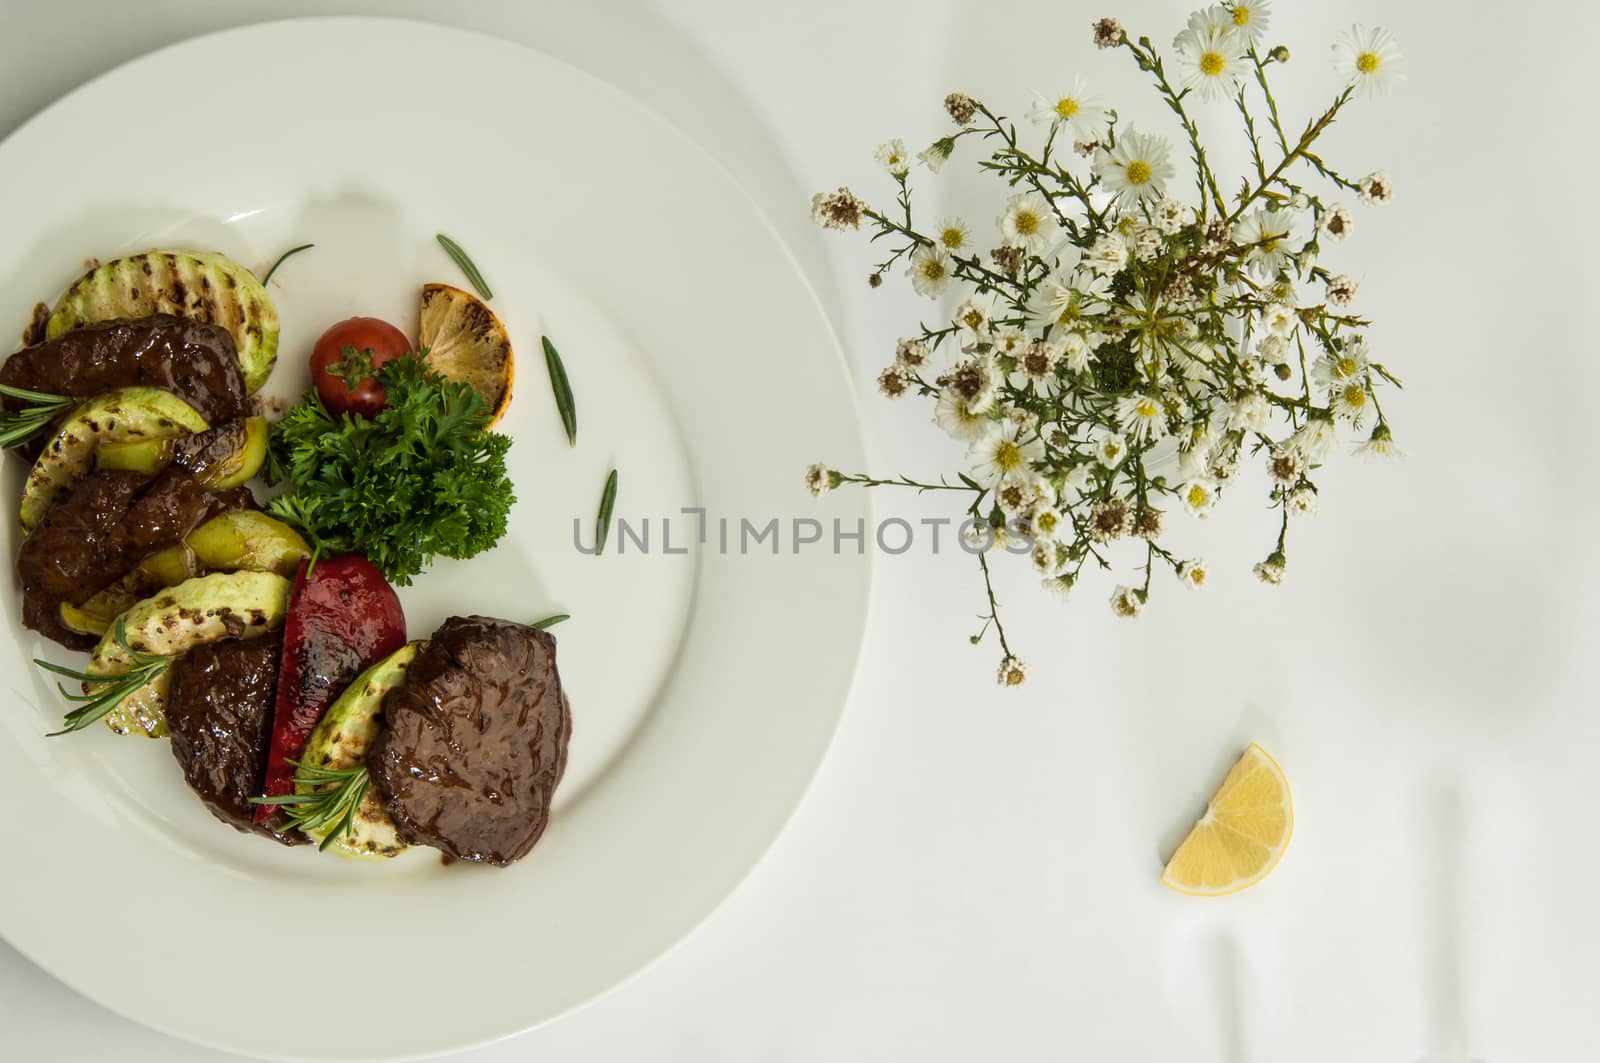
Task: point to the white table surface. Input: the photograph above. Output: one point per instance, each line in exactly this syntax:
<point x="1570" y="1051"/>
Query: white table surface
<point x="974" y="874"/>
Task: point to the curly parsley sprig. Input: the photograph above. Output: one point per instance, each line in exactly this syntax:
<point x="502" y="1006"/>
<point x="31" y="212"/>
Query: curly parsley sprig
<point x="423" y="478"/>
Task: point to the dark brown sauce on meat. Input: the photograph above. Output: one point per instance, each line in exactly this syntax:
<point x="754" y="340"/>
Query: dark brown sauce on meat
<point x="193" y="360"/>
<point x="219" y="717"/>
<point x="476" y="741"/>
<point x="106" y="525"/>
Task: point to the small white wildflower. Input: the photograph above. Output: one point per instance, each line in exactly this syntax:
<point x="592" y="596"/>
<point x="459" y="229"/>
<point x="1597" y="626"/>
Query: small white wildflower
<point x="1038" y="361"/>
<point x="1376" y="188"/>
<point x="1337" y="222"/>
<point x="820" y="480"/>
<point x="1142" y="416"/>
<point x="1250" y="18"/>
<point x="1137" y="168"/>
<point x="1199" y="497"/>
<point x="1109" y="254"/>
<point x="837" y="210"/>
<point x="1077" y="478"/>
<point x="1279" y="319"/>
<point x="1369" y="59"/>
<point x="1273" y="349"/>
<point x="1211" y="54"/>
<point x="1146" y="243"/>
<point x="1047" y="522"/>
<point x="1193" y="573"/>
<point x="1302" y="501"/>
<point x="1336" y="370"/>
<point x="1267" y="237"/>
<point x="893" y="382"/>
<point x="1127" y="602"/>
<point x="1351" y="402"/>
<point x="1061" y="586"/>
<point x="1028" y="222"/>
<point x="1107" y="33"/>
<point x="1380" y="444"/>
<point x="912" y="354"/>
<point x="1026" y="420"/>
<point x="974" y="317"/>
<point x="958" y="421"/>
<point x="1314" y="439"/>
<point x="935" y="155"/>
<point x="1285" y="464"/>
<point x="1084" y="115"/>
<point x="1002" y="451"/>
<point x="1341" y="290"/>
<point x="1075" y="352"/>
<point x="1271" y="570"/>
<point x="891" y="155"/>
<point x="1013" y="673"/>
<point x="1044" y="557"/>
<point x="1250" y="412"/>
<point x="1019" y="492"/>
<point x="953" y="235"/>
<point x="1172" y="215"/>
<point x="1109" y="450"/>
<point x="930" y="271"/>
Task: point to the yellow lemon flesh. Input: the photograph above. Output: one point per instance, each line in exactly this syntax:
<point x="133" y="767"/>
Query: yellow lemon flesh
<point x="1242" y="836"/>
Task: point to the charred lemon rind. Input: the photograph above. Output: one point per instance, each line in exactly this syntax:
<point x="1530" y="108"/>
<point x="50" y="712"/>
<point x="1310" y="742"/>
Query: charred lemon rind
<point x="466" y="342"/>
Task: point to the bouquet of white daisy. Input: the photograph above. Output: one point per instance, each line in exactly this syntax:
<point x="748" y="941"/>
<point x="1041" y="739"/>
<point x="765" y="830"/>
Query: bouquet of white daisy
<point x="1120" y="350"/>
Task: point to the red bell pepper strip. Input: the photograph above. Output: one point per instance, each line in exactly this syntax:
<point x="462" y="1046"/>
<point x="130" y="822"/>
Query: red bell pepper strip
<point x="343" y="617"/>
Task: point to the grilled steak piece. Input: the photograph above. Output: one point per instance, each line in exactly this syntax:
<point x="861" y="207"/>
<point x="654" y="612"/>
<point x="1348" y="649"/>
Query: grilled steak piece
<point x="106" y="525"/>
<point x="476" y="741"/>
<point x="194" y="360"/>
<point x="219" y="717"/>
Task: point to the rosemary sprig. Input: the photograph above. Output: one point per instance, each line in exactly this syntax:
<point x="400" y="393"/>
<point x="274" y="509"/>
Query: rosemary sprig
<point x="550" y="621"/>
<point x="330" y="806"/>
<point x="19" y="426"/>
<point x="283" y="258"/>
<point x="602" y="520"/>
<point x="562" y="389"/>
<point x="104" y="692"/>
<point x="461" y="258"/>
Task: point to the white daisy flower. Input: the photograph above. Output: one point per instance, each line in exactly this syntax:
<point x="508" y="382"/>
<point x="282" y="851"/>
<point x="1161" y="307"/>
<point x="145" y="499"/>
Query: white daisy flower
<point x="1075" y="352"/>
<point x="1199" y="497"/>
<point x="1273" y="349"/>
<point x="1211" y="54"/>
<point x="1279" y="319"/>
<point x="1083" y="115"/>
<point x="1146" y="243"/>
<point x="1142" y="417"/>
<point x="1314" y="439"/>
<point x="1380" y="444"/>
<point x="892" y="156"/>
<point x="1137" y="168"/>
<point x="1376" y="188"/>
<point x="1172" y="215"/>
<point x="957" y="420"/>
<point x="1002" y="451"/>
<point x="1038" y="361"/>
<point x="1029" y="223"/>
<point x="1048" y="522"/>
<point x="1271" y="570"/>
<point x="1062" y="299"/>
<point x="893" y="382"/>
<point x="1061" y="586"/>
<point x="975" y="318"/>
<point x="1250" y="412"/>
<point x="912" y="354"/>
<point x="930" y="271"/>
<point x="1127" y="602"/>
<point x="1334" y="371"/>
<point x="820" y="480"/>
<point x="1302" y="501"/>
<point x="1010" y="341"/>
<point x="1266" y="236"/>
<point x="1250" y="18"/>
<point x="1024" y="419"/>
<point x="1193" y="573"/>
<point x="953" y="235"/>
<point x="1013" y="673"/>
<point x="1337" y="221"/>
<point x="1109" y="254"/>
<point x="1284" y="464"/>
<point x="1352" y="402"/>
<point x="1109" y="450"/>
<point x="1369" y="59"/>
<point x="935" y="155"/>
<point x="1044" y="557"/>
<point x="1342" y="290"/>
<point x="1020" y="492"/>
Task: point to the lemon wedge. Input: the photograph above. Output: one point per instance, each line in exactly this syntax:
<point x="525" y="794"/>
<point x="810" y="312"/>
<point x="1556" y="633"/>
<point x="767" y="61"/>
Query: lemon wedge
<point x="466" y="342"/>
<point x="1242" y="836"/>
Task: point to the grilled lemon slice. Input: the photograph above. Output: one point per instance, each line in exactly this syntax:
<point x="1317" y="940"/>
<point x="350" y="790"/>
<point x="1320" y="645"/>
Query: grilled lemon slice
<point x="466" y="342"/>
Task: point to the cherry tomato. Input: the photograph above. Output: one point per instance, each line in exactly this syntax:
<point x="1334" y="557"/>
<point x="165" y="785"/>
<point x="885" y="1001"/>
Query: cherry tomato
<point x="344" y="359"/>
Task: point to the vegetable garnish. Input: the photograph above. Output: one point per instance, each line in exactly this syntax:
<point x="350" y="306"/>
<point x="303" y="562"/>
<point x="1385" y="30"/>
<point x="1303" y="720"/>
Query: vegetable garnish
<point x="420" y="478"/>
<point x="462" y="259"/>
<point x="550" y="621"/>
<point x="19" y="426"/>
<point x="562" y="389"/>
<point x="283" y="258"/>
<point x="330" y="806"/>
<point x="608" y="499"/>
<point x="105" y="692"/>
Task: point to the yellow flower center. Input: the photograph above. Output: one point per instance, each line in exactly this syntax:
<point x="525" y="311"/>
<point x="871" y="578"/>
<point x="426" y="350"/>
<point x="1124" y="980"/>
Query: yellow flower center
<point x="1346" y="366"/>
<point x="1197" y="495"/>
<point x="1197" y="576"/>
<point x="1027" y="222"/>
<point x="1147" y="408"/>
<point x="952" y="238"/>
<point x="1241" y="16"/>
<point x="932" y="269"/>
<point x="1138" y="172"/>
<point x="1367" y="62"/>
<point x="1355" y="396"/>
<point x="1014" y="677"/>
<point x="972" y="318"/>
<point x="1047" y="522"/>
<point x="1066" y="107"/>
<point x="1007" y="455"/>
<point x="1212" y="64"/>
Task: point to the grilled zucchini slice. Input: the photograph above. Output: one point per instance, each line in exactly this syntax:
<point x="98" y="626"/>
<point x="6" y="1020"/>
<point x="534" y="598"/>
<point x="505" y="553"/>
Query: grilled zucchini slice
<point x="203" y="285"/>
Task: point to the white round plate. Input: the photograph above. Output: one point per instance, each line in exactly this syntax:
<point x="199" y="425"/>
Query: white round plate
<point x="705" y="684"/>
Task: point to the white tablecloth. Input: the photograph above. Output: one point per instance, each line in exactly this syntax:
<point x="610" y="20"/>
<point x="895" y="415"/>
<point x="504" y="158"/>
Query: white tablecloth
<point x="974" y="874"/>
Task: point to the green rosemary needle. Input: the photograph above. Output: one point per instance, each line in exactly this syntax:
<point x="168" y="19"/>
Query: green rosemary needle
<point x="282" y="259"/>
<point x="608" y="500"/>
<point x="462" y="259"/>
<point x="41" y="409"/>
<point x="562" y="388"/>
<point x="329" y="805"/>
<point x="104" y="693"/>
<point x="550" y="621"/>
